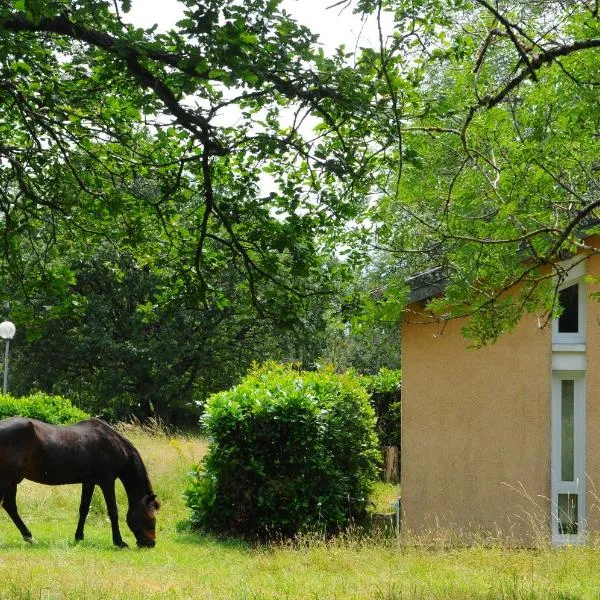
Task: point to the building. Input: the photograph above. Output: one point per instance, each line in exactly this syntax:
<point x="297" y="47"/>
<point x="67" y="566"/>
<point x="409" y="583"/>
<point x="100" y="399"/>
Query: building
<point x="504" y="439"/>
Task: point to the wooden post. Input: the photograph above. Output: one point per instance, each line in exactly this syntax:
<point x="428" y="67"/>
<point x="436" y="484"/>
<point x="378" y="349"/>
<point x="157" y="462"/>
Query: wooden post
<point x="391" y="464"/>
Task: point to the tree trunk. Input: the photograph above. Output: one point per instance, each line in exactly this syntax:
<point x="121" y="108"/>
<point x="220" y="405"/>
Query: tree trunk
<point x="391" y="464"/>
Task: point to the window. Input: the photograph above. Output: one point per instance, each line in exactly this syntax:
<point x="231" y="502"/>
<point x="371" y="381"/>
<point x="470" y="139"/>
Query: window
<point x="568" y="521"/>
<point x="569" y="328"/>
<point x="568" y="322"/>
<point x="568" y="437"/>
<point x="567" y="430"/>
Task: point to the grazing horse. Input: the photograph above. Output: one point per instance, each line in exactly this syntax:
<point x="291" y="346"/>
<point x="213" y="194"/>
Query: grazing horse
<point x="91" y="453"/>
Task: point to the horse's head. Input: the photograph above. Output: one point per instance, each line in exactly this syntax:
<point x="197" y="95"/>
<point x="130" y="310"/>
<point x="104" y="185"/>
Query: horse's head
<point x="141" y="519"/>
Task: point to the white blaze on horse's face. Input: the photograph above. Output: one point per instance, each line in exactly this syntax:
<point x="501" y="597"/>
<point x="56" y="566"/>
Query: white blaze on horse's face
<point x="142" y="521"/>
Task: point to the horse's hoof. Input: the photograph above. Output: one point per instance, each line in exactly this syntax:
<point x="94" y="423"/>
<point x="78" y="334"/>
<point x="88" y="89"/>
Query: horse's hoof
<point x="30" y="540"/>
<point x="121" y="544"/>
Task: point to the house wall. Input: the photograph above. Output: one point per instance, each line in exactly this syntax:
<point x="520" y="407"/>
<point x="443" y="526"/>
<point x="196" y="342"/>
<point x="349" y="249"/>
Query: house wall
<point x="476" y="429"/>
<point x="593" y="398"/>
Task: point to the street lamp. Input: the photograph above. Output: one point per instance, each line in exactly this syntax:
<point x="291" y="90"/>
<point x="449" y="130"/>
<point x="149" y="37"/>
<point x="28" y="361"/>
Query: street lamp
<point x="7" y="332"/>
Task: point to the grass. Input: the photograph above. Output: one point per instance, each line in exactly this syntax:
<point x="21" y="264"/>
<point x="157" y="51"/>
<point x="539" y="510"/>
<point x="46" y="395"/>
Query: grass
<point x="188" y="565"/>
<point x="384" y="495"/>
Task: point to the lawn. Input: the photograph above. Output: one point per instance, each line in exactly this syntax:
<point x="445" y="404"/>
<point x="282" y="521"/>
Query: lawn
<point x="189" y="565"/>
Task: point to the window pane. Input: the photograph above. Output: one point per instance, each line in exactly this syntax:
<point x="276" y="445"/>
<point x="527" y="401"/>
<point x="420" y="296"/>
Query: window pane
<point x="567" y="430"/>
<point x="568" y="298"/>
<point x="567" y="514"/>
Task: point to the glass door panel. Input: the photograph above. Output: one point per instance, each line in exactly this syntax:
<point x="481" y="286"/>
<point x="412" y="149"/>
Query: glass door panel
<point x="568" y="457"/>
<point x="567" y="430"/>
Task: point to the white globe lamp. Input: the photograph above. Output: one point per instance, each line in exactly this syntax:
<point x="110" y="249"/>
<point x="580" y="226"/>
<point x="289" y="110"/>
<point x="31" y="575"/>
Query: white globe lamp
<point x="7" y="332"/>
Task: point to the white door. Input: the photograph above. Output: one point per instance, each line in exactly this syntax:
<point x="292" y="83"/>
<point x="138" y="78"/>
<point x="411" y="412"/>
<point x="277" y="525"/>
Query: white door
<point x="568" y="457"/>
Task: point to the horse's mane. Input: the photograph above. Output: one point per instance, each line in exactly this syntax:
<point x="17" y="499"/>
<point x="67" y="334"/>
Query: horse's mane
<point x="139" y="467"/>
<point x="134" y="472"/>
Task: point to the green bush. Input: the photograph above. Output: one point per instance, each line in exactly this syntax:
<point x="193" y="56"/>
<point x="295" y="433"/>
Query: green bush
<point x="52" y="409"/>
<point x="290" y="451"/>
<point x="385" y="391"/>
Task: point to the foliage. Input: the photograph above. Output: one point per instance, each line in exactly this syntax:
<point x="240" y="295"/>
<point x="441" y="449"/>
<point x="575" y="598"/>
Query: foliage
<point x="468" y="141"/>
<point x="385" y="392"/>
<point x="290" y="451"/>
<point x="489" y="171"/>
<point x="128" y="345"/>
<point x="51" y="409"/>
<point x="363" y="347"/>
<point x="362" y="325"/>
<point x="152" y="245"/>
<point x="117" y="134"/>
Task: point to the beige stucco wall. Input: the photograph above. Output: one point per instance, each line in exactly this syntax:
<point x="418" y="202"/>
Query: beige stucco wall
<point x="593" y="398"/>
<point x="476" y="430"/>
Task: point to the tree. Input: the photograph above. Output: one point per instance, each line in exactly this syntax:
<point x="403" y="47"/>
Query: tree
<point x="489" y="168"/>
<point x="141" y="248"/>
<point x="121" y="349"/>
<point x="127" y="115"/>
<point x="469" y="136"/>
<point x="361" y="329"/>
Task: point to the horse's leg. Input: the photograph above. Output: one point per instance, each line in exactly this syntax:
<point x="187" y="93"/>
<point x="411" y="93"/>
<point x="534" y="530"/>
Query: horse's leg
<point x="108" y="489"/>
<point x="87" y="491"/>
<point x="9" y="504"/>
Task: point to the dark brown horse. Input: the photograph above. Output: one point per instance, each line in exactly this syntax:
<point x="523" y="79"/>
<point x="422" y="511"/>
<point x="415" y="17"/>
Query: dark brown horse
<point x="91" y="453"/>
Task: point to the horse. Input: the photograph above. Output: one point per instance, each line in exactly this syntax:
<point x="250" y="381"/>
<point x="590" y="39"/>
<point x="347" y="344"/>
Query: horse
<point x="89" y="452"/>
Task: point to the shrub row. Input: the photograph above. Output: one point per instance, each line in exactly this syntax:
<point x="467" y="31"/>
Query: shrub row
<point x="52" y="409"/>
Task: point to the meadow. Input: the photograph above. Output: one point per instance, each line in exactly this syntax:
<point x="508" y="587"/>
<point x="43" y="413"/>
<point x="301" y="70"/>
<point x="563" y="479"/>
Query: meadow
<point x="186" y="564"/>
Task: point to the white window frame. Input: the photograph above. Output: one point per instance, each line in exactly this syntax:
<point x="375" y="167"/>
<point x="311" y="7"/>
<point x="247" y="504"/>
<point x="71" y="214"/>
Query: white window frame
<point x="579" y="484"/>
<point x="575" y="276"/>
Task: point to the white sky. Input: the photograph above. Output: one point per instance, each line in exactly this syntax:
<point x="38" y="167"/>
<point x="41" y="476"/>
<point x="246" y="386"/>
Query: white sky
<point x="334" y="26"/>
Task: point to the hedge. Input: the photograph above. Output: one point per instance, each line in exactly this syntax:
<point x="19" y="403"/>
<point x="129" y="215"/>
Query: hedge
<point x="52" y="409"/>
<point x="290" y="451"/>
<point x="386" y="399"/>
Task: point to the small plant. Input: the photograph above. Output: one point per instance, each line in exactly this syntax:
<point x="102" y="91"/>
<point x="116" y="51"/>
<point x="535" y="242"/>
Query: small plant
<point x="51" y="409"/>
<point x="291" y="451"/>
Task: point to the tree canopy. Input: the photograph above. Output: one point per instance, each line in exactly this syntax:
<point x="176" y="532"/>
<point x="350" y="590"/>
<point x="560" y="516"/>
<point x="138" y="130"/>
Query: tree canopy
<point x="175" y="171"/>
<point x="490" y="163"/>
<point x="240" y="172"/>
<point x="104" y="121"/>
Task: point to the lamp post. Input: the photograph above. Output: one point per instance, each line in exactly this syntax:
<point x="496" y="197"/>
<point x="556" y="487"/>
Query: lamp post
<point x="7" y="332"/>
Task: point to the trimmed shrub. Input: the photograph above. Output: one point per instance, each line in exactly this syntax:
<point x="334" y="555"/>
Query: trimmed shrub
<point x="290" y="451"/>
<point x="385" y="391"/>
<point x="52" y="409"/>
